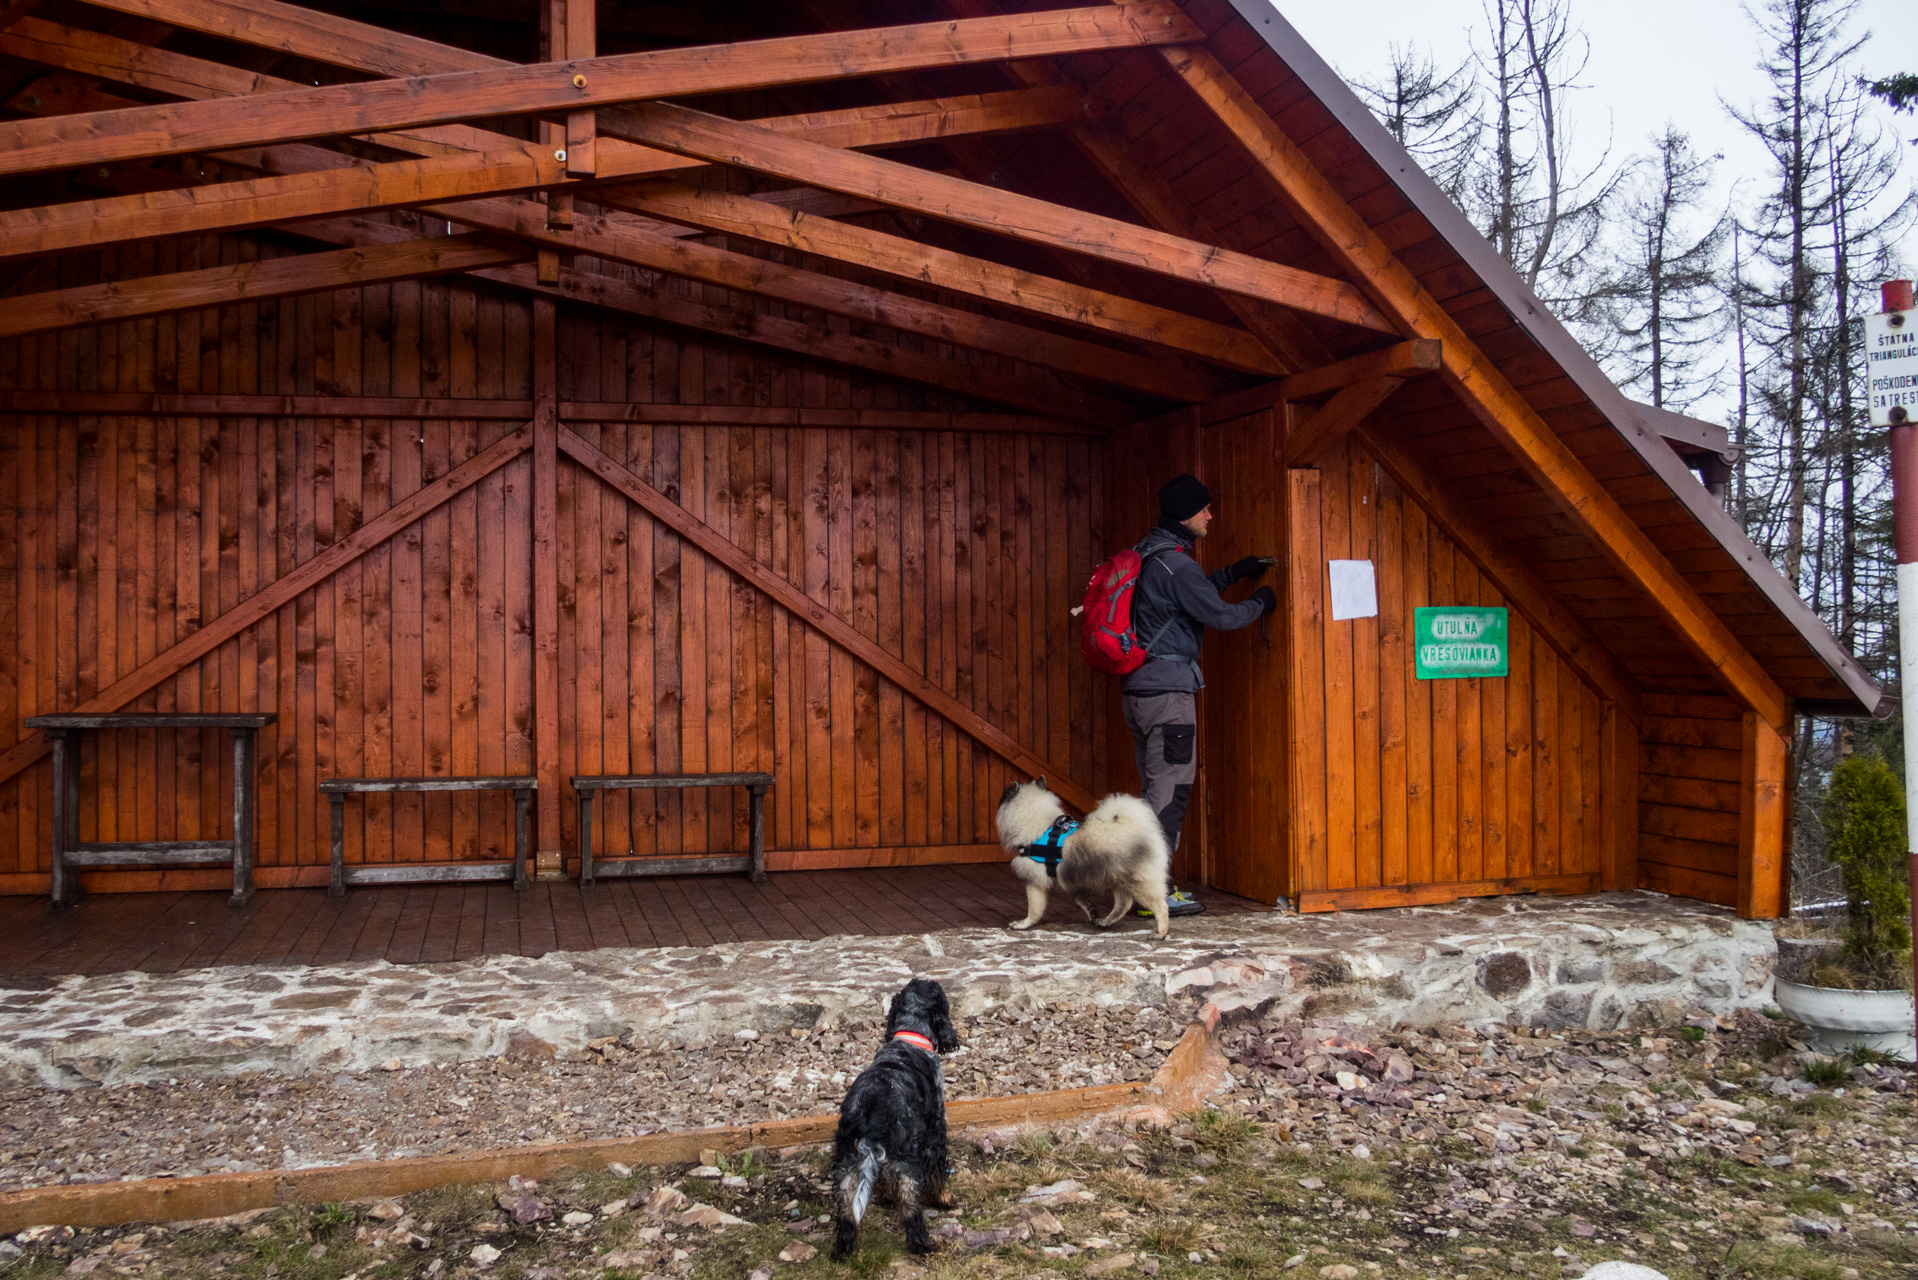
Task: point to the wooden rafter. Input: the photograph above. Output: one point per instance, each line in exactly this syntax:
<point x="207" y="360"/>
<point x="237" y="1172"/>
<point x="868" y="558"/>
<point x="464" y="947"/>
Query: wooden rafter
<point x="252" y="281"/>
<point x="787" y="228"/>
<point x="1480" y="384"/>
<point x="1339" y="415"/>
<point x="835" y="346"/>
<point x="1154" y="200"/>
<point x="341" y="184"/>
<point x="339" y="110"/>
<point x="1401" y="360"/>
<point x="820" y="618"/>
<point x="937" y="195"/>
<point x="640" y="247"/>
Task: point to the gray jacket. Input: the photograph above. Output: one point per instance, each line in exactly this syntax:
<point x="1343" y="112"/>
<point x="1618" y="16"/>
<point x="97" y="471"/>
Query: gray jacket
<point x="1174" y="589"/>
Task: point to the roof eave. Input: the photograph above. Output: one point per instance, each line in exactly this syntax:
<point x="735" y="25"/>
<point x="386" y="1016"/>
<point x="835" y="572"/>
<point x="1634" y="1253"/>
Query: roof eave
<point x="1552" y="337"/>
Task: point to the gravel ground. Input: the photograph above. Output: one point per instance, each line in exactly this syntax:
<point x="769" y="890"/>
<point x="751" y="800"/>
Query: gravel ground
<point x="1340" y="1154"/>
<point x="51" y="1136"/>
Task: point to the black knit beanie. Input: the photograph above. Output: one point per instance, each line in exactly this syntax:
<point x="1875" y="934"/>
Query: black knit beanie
<point x="1183" y="497"/>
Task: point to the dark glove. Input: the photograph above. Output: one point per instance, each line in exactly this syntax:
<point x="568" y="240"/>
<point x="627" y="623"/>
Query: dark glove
<point x="1268" y="600"/>
<point x="1250" y="567"/>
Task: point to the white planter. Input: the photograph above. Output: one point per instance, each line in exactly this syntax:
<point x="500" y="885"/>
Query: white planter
<point x="1841" y="1019"/>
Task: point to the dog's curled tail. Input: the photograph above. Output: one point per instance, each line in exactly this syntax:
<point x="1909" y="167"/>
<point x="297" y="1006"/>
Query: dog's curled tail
<point x="1124" y="811"/>
<point x="871" y="1156"/>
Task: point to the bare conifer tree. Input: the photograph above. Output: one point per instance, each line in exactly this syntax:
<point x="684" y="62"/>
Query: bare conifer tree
<point x="1433" y="113"/>
<point x="1669" y="292"/>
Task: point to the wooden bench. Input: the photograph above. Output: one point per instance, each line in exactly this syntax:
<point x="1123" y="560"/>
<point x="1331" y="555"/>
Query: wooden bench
<point x="753" y="864"/>
<point x="70" y="852"/>
<point x="338" y="789"/>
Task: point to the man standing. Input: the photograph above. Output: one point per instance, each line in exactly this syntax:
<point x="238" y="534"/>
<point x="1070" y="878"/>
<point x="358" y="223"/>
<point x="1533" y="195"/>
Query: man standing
<point x="1172" y="606"/>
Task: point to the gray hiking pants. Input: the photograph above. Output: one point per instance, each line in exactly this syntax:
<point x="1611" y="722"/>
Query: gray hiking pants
<point x="1165" y="747"/>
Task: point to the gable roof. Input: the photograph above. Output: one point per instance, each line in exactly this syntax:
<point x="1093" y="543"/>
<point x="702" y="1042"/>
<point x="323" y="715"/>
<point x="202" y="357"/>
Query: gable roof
<point x="1839" y="685"/>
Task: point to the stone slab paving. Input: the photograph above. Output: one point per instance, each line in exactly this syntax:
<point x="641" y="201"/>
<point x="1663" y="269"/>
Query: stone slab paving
<point x="1599" y="962"/>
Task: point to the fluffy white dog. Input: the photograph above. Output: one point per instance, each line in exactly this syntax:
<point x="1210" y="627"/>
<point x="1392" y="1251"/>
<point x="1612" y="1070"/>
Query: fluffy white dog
<point x="1118" y="850"/>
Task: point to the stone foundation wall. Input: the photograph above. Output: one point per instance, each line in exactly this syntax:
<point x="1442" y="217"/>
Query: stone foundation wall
<point x="1600" y="962"/>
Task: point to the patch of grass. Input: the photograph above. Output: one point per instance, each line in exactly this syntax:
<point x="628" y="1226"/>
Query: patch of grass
<point x="1034" y="1141"/>
<point x="1822" y="1199"/>
<point x="1692" y="1035"/>
<point x="1763" y="1260"/>
<point x="1247" y="1258"/>
<point x="991" y="1183"/>
<point x="1825" y="1072"/>
<point x="1818" y="1106"/>
<point x="1535" y="1105"/>
<point x="1773" y="1046"/>
<point x="1216" y="1131"/>
<point x="1134" y="1187"/>
<point x="1363" y="1185"/>
<point x="1171" y="1239"/>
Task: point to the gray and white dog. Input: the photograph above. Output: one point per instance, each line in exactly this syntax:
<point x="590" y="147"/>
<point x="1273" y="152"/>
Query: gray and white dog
<point x="1118" y="851"/>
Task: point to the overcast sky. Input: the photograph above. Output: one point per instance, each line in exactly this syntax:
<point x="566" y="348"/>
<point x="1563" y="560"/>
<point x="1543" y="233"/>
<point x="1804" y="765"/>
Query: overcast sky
<point x="1651" y="61"/>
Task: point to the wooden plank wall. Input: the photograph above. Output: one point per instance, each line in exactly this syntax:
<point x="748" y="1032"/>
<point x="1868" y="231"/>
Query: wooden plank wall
<point x="961" y="553"/>
<point x="1419" y="790"/>
<point x="1248" y="756"/>
<point x="1690" y="771"/>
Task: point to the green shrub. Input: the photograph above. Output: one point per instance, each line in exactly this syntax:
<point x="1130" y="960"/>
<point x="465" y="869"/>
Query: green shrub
<point x="1864" y="822"/>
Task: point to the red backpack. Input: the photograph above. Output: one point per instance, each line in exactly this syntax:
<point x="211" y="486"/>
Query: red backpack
<point x="1105" y="619"/>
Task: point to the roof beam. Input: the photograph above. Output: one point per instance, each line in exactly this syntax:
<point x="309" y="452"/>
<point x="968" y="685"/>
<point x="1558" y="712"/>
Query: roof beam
<point x="788" y="228"/>
<point x="346" y="185"/>
<point x="1155" y="201"/>
<point x="335" y="110"/>
<point x="1478" y="382"/>
<point x="813" y="342"/>
<point x="251" y="282"/>
<point x="692" y="260"/>
<point x="1339" y="415"/>
<point x="1401" y="360"/>
<point x="723" y="141"/>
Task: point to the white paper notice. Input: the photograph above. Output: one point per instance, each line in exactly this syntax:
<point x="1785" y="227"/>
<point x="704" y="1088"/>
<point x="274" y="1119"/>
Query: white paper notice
<point x="1355" y="590"/>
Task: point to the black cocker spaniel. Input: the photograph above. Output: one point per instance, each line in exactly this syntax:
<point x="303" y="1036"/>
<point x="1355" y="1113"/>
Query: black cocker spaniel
<point x="892" y="1124"/>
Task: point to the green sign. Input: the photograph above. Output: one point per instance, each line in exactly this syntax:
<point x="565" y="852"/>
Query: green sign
<point x="1457" y="642"/>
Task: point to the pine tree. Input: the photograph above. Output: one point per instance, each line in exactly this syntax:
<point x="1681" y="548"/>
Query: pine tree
<point x="1807" y="47"/>
<point x="1670" y="305"/>
<point x="1432" y="113"/>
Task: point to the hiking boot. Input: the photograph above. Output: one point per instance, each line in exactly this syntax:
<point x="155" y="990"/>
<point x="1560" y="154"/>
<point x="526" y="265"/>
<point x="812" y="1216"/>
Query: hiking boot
<point x="1179" y="903"/>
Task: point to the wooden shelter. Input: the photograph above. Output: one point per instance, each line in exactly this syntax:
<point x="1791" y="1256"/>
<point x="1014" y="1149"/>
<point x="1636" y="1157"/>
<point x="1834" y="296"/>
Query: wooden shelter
<point x="506" y="389"/>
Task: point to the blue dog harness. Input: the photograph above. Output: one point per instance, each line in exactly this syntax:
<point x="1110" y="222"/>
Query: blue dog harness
<point x="1049" y="848"/>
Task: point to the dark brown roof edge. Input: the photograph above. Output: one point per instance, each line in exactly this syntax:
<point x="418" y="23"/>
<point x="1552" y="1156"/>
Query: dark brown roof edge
<point x="1543" y="328"/>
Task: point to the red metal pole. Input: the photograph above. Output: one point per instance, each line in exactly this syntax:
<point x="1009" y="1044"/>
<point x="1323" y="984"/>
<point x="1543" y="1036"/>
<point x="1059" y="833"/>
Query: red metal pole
<point x="1895" y="295"/>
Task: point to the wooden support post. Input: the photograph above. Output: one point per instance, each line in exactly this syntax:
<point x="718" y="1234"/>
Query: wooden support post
<point x="546" y="571"/>
<point x="1764" y="846"/>
<point x="1619" y="820"/>
<point x="552" y="137"/>
<point x="582" y="127"/>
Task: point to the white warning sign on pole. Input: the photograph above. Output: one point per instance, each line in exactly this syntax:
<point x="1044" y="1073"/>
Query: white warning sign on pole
<point x="1891" y="367"/>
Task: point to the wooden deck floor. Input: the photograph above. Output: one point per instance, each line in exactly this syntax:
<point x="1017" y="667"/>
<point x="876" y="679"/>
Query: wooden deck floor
<point x="165" y="932"/>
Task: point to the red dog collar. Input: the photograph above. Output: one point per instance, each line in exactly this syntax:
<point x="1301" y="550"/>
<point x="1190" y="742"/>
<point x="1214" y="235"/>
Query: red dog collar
<point x="916" y="1040"/>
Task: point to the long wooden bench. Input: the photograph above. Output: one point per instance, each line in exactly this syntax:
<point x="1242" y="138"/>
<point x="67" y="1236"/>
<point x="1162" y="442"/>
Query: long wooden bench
<point x="338" y="789"/>
<point x="70" y="853"/>
<point x="753" y="863"/>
